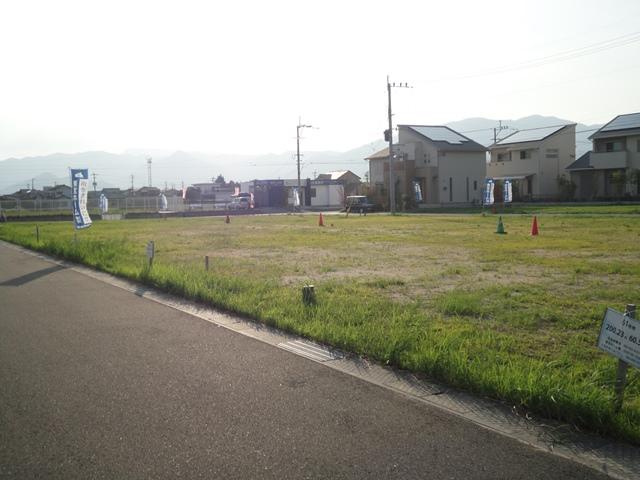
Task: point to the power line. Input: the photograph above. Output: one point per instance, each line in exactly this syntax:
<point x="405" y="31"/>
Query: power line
<point x="554" y="58"/>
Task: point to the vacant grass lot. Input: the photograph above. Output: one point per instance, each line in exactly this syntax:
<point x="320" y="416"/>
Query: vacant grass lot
<point x="510" y="316"/>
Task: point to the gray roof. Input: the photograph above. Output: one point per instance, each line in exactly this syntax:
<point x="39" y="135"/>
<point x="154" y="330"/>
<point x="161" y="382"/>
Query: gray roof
<point x="628" y="121"/>
<point x="444" y="138"/>
<point x="381" y="154"/>
<point x="530" y="135"/>
<point x="582" y="163"/>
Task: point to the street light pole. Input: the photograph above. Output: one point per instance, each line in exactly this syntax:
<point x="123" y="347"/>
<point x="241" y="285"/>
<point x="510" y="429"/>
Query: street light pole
<point x="392" y="180"/>
<point x="298" y="127"/>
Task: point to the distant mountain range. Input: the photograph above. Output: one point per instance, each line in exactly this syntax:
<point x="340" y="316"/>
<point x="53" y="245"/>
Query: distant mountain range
<point x="173" y="168"/>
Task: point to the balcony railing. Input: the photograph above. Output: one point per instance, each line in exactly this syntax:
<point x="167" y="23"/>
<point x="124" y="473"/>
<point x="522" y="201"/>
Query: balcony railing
<point x="609" y="160"/>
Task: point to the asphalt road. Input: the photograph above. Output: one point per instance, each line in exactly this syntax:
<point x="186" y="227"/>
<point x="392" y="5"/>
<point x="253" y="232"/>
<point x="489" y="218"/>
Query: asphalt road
<point x="96" y="382"/>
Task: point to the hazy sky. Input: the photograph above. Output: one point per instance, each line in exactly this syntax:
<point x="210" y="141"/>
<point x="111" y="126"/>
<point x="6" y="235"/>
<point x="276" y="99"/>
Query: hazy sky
<point x="235" y="76"/>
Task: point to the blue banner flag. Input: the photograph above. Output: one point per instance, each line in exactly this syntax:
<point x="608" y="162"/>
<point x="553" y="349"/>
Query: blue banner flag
<point x="488" y="192"/>
<point x="80" y="190"/>
<point x="508" y="191"/>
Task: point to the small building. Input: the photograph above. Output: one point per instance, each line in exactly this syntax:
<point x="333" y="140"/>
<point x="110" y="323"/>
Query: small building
<point x="267" y="193"/>
<point x="612" y="168"/>
<point x="349" y="180"/>
<point x="280" y="193"/>
<point x="216" y="192"/>
<point x="148" y="192"/>
<point x="326" y="193"/>
<point x="433" y="165"/>
<point x="57" y="192"/>
<point x="534" y="160"/>
<point x="28" y="194"/>
<point x="113" y="193"/>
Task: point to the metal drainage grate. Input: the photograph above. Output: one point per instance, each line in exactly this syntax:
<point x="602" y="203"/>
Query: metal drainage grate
<point x="310" y="350"/>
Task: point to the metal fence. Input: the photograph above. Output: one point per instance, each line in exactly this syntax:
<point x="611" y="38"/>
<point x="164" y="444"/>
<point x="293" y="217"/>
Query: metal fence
<point x="116" y="205"/>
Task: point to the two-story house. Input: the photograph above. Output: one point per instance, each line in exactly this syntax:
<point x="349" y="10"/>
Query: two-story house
<point x="533" y="160"/>
<point x="610" y="170"/>
<point x="433" y="165"/>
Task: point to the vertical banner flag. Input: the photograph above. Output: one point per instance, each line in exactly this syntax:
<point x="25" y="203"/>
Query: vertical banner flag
<point x="80" y="190"/>
<point x="104" y="204"/>
<point x="163" y="202"/>
<point x="488" y="192"/>
<point x="508" y="191"/>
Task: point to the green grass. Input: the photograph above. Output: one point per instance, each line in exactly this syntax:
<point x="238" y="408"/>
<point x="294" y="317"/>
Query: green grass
<point x="510" y="316"/>
<point x="534" y="209"/>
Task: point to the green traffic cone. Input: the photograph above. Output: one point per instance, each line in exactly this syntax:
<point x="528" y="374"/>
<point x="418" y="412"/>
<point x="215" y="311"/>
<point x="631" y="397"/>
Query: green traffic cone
<point x="500" y="228"/>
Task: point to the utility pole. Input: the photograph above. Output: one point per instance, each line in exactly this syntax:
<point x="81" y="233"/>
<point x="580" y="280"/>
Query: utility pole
<point x="32" y="183"/>
<point x="132" y="184"/>
<point x="95" y="183"/>
<point x="149" y="169"/>
<point x="389" y="137"/>
<point x="298" y="157"/>
<point x="497" y="130"/>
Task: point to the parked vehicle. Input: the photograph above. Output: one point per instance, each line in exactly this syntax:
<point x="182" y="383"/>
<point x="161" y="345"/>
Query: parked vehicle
<point x="239" y="203"/>
<point x="359" y="204"/>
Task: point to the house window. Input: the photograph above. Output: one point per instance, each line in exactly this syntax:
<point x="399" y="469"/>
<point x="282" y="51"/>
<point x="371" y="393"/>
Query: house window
<point x="501" y="157"/>
<point x="450" y="189"/>
<point x="524" y="154"/>
<point x="312" y="193"/>
<point x="467" y="185"/>
<point x="615" y="146"/>
<point x="475" y="185"/>
<point x="504" y="157"/>
<point x="637" y="145"/>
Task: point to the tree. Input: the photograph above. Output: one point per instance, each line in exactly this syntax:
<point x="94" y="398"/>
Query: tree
<point x="634" y="179"/>
<point x="619" y="179"/>
<point x="219" y="180"/>
<point x="567" y="188"/>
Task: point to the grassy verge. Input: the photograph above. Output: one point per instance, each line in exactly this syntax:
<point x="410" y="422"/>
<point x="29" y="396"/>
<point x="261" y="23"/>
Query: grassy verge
<point x="533" y="209"/>
<point x="514" y="317"/>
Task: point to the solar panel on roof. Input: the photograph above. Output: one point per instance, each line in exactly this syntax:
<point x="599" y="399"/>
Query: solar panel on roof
<point x="530" y="135"/>
<point x="440" y="134"/>
<point x="622" y="122"/>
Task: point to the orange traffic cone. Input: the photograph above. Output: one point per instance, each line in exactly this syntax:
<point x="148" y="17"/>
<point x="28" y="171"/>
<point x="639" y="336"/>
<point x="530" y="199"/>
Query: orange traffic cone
<point x="320" y="220"/>
<point x="227" y="220"/>
<point x="534" y="226"/>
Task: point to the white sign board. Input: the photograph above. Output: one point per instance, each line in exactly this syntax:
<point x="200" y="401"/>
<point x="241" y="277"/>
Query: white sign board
<point x="150" y="249"/>
<point x="620" y="336"/>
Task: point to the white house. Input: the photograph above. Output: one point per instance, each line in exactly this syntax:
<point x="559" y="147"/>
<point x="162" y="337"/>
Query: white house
<point x="611" y="169"/>
<point x="433" y="165"/>
<point x="533" y="160"/>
